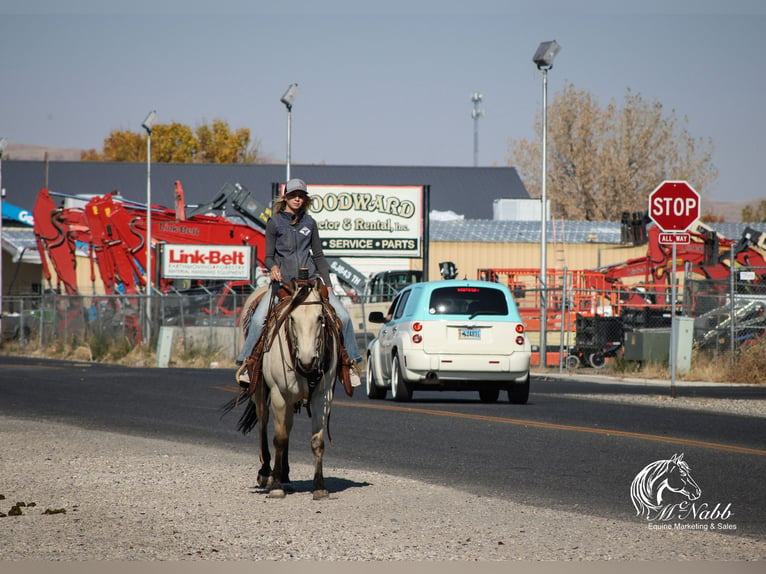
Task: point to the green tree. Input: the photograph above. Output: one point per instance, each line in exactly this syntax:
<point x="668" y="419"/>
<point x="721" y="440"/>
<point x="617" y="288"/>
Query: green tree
<point x="605" y="161"/>
<point x="178" y="143"/>
<point x="755" y="214"/>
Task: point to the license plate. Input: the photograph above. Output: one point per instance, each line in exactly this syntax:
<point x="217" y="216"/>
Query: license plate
<point x="471" y="334"/>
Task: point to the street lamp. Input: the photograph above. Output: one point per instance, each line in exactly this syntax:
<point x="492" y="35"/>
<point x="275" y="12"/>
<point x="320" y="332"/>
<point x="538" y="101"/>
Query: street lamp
<point x="476" y="113"/>
<point x="3" y="143"/>
<point x="543" y="58"/>
<point x="287" y="99"/>
<point x="147" y="125"/>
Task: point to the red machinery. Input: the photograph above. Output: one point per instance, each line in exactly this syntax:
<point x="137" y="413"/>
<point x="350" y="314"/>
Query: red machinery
<point x="642" y="283"/>
<point x="113" y="232"/>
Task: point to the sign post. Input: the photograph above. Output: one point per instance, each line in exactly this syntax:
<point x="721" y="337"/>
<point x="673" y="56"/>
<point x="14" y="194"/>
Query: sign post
<point x="674" y="206"/>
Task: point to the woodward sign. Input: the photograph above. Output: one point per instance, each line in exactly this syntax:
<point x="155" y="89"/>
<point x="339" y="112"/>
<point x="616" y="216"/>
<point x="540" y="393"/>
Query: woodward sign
<point x="369" y="221"/>
<point x="229" y="262"/>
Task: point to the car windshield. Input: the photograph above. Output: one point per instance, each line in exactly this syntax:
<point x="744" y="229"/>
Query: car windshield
<point x="464" y="300"/>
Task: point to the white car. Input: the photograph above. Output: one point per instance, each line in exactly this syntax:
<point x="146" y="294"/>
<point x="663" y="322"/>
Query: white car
<point x="450" y="335"/>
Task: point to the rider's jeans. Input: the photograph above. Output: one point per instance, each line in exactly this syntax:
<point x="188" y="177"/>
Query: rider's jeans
<point x="259" y="319"/>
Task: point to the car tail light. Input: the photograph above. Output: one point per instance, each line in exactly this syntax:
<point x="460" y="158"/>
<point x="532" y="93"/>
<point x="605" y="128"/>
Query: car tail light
<point x="417" y="326"/>
<point x="520" y="341"/>
<point x="519" y="328"/>
<point x="416" y="338"/>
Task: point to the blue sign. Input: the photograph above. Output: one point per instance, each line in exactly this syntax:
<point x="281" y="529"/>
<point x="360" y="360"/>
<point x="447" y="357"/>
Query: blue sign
<point x="17" y="214"/>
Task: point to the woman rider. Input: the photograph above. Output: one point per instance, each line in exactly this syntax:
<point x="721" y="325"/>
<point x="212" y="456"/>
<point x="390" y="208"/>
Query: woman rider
<point x="293" y="243"/>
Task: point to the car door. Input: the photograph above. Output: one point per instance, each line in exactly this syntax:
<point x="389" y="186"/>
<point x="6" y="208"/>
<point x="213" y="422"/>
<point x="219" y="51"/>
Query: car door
<point x="389" y="332"/>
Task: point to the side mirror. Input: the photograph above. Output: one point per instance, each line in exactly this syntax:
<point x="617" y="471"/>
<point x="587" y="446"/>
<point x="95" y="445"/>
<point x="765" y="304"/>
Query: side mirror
<point x="376" y="317"/>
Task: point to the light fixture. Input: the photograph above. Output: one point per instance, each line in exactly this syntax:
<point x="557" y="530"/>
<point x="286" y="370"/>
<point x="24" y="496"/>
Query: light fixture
<point x="287" y="99"/>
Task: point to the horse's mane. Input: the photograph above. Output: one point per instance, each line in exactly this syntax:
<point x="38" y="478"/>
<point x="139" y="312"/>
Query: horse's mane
<point x="643" y="489"/>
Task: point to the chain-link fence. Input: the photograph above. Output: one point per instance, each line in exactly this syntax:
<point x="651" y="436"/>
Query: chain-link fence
<point x="51" y="318"/>
<point x="588" y="321"/>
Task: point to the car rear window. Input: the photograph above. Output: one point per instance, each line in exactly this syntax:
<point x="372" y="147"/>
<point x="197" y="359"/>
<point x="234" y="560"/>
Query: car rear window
<point x="467" y="301"/>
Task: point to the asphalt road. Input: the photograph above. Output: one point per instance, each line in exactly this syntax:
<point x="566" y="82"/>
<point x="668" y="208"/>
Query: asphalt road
<point x="561" y="450"/>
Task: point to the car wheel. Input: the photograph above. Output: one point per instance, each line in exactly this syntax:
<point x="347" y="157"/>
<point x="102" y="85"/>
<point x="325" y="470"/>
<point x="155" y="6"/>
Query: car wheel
<point x="489" y="395"/>
<point x="518" y="394"/>
<point x="399" y="389"/>
<point x="373" y="390"/>
<point x="597" y="360"/>
<point x="572" y="362"/>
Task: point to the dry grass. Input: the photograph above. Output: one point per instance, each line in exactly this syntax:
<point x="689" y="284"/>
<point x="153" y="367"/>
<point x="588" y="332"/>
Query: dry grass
<point x="749" y="365"/>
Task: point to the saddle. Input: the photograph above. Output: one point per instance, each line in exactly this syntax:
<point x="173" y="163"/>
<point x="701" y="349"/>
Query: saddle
<point x="277" y="314"/>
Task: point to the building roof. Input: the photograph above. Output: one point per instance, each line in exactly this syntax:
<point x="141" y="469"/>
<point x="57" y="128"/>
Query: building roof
<point x="469" y="191"/>
<point x="20" y="243"/>
<point x="570" y="232"/>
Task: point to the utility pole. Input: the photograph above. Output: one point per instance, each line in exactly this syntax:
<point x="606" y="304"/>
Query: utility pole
<point x="476" y="113"/>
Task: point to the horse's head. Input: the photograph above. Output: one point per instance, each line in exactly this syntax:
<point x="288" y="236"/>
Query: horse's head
<point x="306" y="326"/>
<point x="650" y="486"/>
<point x="678" y="478"/>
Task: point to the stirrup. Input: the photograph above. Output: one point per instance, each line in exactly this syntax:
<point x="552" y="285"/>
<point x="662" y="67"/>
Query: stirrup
<point x="242" y="377"/>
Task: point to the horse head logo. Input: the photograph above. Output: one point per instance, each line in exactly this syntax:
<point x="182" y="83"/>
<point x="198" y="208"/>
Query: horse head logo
<point x="653" y="485"/>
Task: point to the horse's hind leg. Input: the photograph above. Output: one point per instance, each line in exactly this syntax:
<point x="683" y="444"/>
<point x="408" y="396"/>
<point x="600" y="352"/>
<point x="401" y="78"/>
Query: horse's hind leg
<point x="317" y="447"/>
<point x="263" y="426"/>
<point x="285" y="478"/>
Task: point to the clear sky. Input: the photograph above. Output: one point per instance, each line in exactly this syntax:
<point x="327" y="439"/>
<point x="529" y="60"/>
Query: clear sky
<point x="381" y="82"/>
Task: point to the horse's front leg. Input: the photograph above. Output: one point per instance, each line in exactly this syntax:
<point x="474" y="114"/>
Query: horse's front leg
<point x="317" y="447"/>
<point x="283" y="422"/>
<point x="321" y="404"/>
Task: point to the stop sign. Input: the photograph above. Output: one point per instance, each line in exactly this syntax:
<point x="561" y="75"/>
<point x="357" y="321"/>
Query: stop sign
<point x="674" y="205"/>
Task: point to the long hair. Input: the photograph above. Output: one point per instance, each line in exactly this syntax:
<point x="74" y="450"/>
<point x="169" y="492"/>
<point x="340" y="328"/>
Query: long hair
<point x="281" y="202"/>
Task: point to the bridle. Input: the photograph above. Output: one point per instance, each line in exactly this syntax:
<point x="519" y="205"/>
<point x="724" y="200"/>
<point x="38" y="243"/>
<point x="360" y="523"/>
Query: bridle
<point x="328" y="330"/>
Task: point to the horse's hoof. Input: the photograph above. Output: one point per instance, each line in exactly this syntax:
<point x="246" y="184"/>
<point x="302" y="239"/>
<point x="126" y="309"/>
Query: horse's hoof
<point x="276" y="493"/>
<point x="262" y="481"/>
<point x="320" y="494"/>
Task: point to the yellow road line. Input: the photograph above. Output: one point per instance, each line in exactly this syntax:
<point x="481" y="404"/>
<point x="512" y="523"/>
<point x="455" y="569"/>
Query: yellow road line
<point x="538" y="424"/>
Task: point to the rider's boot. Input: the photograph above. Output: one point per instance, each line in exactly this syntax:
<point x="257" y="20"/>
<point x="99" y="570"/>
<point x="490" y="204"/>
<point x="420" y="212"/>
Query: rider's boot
<point x="243" y="373"/>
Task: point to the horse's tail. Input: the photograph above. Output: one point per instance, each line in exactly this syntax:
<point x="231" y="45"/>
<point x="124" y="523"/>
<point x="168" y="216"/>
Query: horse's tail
<point x="249" y="418"/>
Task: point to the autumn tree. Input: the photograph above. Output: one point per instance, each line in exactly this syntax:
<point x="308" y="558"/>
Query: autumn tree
<point x="755" y="214"/>
<point x="603" y="161"/>
<point x="218" y="144"/>
<point x="178" y="143"/>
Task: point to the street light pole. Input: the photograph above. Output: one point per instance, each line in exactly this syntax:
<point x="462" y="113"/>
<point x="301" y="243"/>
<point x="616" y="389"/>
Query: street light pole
<point x="543" y="58"/>
<point x="3" y="143"/>
<point x="287" y="99"/>
<point x="147" y="125"/>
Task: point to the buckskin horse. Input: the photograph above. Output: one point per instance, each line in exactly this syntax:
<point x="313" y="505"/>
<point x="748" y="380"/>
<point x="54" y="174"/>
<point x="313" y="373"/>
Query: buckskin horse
<point x="300" y="358"/>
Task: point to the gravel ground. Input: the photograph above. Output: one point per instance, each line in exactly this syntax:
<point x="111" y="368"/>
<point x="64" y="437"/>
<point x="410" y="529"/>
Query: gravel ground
<point x="129" y="498"/>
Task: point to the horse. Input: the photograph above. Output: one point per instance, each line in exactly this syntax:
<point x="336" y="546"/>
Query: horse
<point x="658" y="478"/>
<point x="301" y="354"/>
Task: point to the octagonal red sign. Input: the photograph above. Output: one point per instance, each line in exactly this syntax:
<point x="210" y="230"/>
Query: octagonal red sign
<point x="674" y="205"/>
